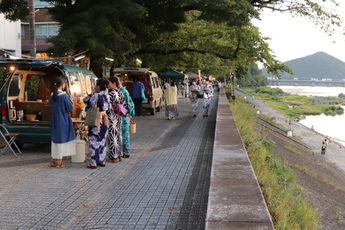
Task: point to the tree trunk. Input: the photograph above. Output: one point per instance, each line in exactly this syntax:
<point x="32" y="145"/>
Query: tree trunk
<point x="96" y="65"/>
<point x="32" y="33"/>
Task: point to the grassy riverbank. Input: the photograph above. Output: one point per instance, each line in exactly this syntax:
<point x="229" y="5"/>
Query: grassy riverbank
<point x="286" y="201"/>
<point x="295" y="106"/>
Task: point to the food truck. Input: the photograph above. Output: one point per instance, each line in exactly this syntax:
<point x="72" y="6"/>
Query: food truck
<point x="25" y="89"/>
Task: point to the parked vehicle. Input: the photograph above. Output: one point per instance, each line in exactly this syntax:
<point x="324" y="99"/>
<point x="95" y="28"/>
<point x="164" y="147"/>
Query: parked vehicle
<point x="26" y="88"/>
<point x="153" y="90"/>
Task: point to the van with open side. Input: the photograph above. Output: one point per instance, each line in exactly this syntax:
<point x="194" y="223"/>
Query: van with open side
<point x="26" y="85"/>
<point x="151" y="81"/>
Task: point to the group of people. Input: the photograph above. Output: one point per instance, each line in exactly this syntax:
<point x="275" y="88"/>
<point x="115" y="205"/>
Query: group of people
<point x="195" y="92"/>
<point x="111" y="135"/>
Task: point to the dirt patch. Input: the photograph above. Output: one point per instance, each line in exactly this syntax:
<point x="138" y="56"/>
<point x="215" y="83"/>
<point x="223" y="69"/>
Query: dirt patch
<point x="323" y="182"/>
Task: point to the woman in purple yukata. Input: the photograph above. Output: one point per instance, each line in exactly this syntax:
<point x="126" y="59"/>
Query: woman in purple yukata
<point x="98" y="134"/>
<point x="61" y="126"/>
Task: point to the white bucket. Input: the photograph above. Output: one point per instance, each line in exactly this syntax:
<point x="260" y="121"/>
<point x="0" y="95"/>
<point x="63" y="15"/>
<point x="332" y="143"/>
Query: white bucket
<point x="79" y="157"/>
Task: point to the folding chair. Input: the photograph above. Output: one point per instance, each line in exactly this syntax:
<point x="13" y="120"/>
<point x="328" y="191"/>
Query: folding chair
<point x="9" y="138"/>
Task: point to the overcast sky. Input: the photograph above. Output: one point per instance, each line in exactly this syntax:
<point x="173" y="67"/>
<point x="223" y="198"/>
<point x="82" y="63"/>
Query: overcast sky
<point x="295" y="37"/>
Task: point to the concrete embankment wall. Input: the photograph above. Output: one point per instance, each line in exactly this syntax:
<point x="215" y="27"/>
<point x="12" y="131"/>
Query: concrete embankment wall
<point x="235" y="198"/>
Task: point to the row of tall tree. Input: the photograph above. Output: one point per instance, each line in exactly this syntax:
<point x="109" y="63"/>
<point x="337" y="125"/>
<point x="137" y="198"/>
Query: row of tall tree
<point x="215" y="36"/>
<point x="253" y="78"/>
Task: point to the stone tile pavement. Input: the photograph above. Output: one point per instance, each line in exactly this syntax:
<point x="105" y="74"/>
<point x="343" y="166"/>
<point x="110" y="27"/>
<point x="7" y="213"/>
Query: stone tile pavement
<point x="163" y="185"/>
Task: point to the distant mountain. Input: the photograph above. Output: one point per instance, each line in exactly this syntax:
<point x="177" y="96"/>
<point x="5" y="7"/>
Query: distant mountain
<point x="319" y="65"/>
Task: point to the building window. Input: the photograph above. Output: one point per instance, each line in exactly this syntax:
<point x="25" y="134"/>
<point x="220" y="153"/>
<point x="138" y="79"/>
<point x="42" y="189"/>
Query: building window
<point x="39" y="3"/>
<point x="42" y="30"/>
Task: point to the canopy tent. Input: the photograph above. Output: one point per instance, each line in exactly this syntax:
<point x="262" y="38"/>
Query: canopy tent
<point x="192" y="75"/>
<point x="172" y="75"/>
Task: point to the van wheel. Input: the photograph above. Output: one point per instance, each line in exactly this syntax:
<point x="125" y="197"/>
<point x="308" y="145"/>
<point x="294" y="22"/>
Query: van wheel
<point x="153" y="110"/>
<point x="159" y="106"/>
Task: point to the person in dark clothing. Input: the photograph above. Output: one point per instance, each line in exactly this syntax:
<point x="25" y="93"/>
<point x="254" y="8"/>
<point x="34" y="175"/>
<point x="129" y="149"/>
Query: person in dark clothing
<point x="138" y="87"/>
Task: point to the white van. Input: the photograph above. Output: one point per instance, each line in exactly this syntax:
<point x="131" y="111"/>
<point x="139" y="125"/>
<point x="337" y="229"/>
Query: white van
<point x="153" y="90"/>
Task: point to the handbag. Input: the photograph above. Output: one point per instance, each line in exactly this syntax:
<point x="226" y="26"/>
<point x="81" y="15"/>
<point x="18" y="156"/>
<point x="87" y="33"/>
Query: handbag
<point x="200" y="95"/>
<point x="132" y="126"/>
<point x="120" y="109"/>
<point x="92" y="115"/>
<point x="143" y="95"/>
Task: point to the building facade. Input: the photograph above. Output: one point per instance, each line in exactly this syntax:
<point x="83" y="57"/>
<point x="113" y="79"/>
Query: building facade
<point x="45" y="27"/>
<point x="10" y="38"/>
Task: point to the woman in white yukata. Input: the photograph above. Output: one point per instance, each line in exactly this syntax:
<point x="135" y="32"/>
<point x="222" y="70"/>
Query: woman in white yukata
<point x="61" y="126"/>
<point x="207" y="89"/>
<point x="194" y="90"/>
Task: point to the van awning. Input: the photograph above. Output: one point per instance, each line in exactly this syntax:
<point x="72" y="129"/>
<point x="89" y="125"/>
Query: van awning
<point x="29" y="62"/>
<point x="132" y="70"/>
<point x="74" y="70"/>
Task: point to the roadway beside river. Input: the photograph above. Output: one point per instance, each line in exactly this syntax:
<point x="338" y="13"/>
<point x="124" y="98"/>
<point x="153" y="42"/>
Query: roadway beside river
<point x="320" y="177"/>
<point x="335" y="154"/>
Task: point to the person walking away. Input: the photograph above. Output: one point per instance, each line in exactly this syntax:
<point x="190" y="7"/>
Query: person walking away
<point x="208" y="93"/>
<point x="137" y="98"/>
<point x="98" y="134"/>
<point x="326" y="143"/>
<point x="170" y="96"/>
<point x="323" y="148"/>
<point x="129" y="105"/>
<point x="194" y="90"/>
<point x="114" y="138"/>
<point x="61" y="126"/>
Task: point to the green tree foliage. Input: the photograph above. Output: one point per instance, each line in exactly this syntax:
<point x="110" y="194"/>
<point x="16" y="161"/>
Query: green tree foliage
<point x="253" y="78"/>
<point x="14" y="9"/>
<point x="215" y="48"/>
<point x="212" y="35"/>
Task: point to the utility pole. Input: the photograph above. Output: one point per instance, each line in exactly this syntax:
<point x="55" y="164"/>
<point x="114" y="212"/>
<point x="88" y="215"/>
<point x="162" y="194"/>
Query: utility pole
<point x="32" y="34"/>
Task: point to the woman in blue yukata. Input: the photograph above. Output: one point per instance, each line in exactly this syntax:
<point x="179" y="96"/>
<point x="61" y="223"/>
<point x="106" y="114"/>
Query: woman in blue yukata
<point x="98" y="134"/>
<point x="61" y="126"/>
<point x="129" y="105"/>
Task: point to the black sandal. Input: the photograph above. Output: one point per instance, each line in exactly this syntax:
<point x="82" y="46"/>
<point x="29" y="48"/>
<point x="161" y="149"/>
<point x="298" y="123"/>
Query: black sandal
<point x="126" y="155"/>
<point x="101" y="164"/>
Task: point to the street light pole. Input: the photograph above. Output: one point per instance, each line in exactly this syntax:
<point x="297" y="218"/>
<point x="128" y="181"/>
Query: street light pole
<point x="32" y="34"/>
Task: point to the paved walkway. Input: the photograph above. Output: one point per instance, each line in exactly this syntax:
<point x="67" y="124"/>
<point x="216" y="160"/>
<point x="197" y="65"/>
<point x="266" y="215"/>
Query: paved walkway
<point x="164" y="185"/>
<point x="335" y="154"/>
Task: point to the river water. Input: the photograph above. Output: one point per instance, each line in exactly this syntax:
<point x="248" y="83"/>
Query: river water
<point x="332" y="126"/>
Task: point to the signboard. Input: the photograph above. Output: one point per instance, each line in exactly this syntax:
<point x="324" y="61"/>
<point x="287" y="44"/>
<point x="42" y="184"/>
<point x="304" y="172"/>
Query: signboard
<point x="82" y="81"/>
<point x="88" y="85"/>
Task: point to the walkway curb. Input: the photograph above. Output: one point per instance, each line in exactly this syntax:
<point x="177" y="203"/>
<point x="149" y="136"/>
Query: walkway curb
<point x="235" y="198"/>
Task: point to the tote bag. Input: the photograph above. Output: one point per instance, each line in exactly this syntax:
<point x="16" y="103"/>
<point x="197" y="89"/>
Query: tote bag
<point x="132" y="126"/>
<point x="92" y="115"/>
<point x="143" y="98"/>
